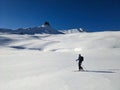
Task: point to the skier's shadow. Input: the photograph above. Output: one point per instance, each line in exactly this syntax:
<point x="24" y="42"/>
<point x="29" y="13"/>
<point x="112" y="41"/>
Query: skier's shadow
<point x="99" y="71"/>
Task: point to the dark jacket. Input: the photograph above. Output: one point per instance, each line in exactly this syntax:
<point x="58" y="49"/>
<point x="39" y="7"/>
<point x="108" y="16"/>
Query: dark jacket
<point x="80" y="59"/>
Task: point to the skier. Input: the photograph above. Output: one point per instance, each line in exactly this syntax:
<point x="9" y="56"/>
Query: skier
<point x="80" y="59"/>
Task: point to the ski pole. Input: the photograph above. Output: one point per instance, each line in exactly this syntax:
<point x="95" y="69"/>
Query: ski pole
<point x="84" y="67"/>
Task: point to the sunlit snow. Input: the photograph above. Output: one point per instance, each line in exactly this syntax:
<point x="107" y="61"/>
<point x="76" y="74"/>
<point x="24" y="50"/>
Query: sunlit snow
<point x="47" y="62"/>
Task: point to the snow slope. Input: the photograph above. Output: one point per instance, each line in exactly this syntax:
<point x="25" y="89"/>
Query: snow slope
<point x="47" y="62"/>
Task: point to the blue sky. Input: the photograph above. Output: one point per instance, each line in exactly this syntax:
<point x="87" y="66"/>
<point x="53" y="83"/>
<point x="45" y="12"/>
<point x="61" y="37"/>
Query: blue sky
<point x="91" y="15"/>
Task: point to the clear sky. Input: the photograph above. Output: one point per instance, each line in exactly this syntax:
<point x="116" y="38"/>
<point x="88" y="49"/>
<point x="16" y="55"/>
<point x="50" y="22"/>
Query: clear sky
<point x="91" y="15"/>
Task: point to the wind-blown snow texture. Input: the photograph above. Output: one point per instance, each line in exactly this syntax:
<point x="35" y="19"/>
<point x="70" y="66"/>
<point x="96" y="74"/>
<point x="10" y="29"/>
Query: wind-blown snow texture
<point x="47" y="62"/>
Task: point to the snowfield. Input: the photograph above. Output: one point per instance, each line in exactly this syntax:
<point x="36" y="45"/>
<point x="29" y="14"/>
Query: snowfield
<point x="47" y="62"/>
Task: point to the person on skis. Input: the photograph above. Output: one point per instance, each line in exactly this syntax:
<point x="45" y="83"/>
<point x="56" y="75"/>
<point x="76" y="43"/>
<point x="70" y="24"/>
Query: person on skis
<point x="80" y="60"/>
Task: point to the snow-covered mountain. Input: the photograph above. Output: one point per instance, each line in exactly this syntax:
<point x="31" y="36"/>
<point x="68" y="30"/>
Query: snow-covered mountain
<point x="4" y="30"/>
<point x="43" y="29"/>
<point x="69" y="31"/>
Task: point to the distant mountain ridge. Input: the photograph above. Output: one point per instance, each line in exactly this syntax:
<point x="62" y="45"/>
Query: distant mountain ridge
<point x="43" y="29"/>
<point x="69" y="31"/>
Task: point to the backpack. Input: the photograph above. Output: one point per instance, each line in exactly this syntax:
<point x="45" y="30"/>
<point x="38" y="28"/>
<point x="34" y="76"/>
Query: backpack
<point x="82" y="58"/>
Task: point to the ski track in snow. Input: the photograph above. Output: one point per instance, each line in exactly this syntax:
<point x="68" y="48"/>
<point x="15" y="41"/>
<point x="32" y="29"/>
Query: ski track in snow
<point x="47" y="62"/>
